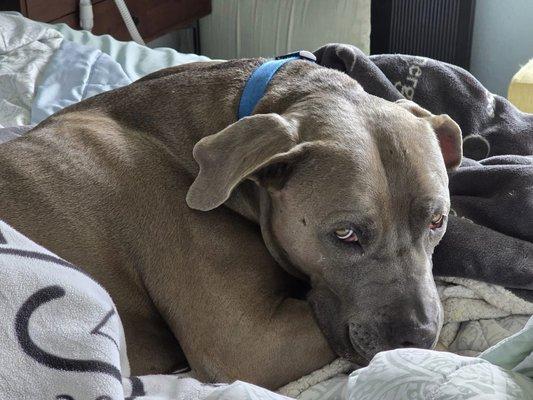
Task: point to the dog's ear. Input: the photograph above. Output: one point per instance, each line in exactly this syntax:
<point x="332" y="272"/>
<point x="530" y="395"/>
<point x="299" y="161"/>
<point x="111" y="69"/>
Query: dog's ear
<point x="261" y="147"/>
<point x="447" y="131"/>
<point x="450" y="139"/>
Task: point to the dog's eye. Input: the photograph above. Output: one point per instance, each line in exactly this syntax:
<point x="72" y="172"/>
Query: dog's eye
<point x="346" y="235"/>
<point x="436" y="221"/>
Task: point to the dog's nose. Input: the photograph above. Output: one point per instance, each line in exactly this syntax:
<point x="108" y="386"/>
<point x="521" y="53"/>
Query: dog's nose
<point x="423" y="337"/>
<point x="367" y="341"/>
<point x="414" y="321"/>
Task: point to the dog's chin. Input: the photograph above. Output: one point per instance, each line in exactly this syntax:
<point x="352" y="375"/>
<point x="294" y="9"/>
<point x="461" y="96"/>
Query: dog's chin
<point x="356" y="358"/>
<point x="352" y="352"/>
<point x="357" y="355"/>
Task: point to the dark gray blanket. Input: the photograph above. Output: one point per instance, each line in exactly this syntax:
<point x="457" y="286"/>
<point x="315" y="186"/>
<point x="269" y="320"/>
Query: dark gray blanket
<point x="490" y="234"/>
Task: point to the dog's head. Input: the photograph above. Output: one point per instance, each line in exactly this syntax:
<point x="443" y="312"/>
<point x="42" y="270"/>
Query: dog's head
<point x="354" y="198"/>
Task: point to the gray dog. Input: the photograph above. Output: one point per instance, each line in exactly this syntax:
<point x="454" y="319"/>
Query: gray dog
<point x="345" y="191"/>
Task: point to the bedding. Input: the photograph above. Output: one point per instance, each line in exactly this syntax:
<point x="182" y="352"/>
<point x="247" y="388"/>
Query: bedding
<point x="44" y="68"/>
<point x="63" y="339"/>
<point x="13" y="132"/>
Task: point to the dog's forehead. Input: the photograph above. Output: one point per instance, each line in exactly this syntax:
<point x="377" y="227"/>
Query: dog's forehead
<point x="357" y="115"/>
<point x="405" y="144"/>
<point x="362" y="175"/>
<point x="323" y="117"/>
<point x="370" y="151"/>
<point x="379" y="143"/>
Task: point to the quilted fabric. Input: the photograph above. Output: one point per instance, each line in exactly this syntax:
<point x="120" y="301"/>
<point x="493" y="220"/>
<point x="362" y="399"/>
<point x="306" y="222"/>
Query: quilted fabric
<point x="429" y="375"/>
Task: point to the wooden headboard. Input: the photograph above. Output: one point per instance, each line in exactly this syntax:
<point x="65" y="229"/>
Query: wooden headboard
<point x="152" y="17"/>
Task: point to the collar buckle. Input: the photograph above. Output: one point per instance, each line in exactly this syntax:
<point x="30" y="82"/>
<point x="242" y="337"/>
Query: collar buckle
<point x="299" y="54"/>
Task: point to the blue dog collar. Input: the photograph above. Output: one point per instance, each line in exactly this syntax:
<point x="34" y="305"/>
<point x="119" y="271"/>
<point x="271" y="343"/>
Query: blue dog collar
<point x="257" y="83"/>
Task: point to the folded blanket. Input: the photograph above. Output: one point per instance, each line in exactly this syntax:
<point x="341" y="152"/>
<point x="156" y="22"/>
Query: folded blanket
<point x="478" y="315"/>
<point x="61" y="334"/>
<point x="485" y="118"/>
<point x="422" y="374"/>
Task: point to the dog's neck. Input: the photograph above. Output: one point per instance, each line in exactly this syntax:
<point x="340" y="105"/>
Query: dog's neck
<point x="245" y="201"/>
<point x="253" y="202"/>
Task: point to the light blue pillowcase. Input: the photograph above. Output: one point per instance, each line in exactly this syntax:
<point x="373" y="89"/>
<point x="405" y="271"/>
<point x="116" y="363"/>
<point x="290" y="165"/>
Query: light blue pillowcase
<point x="86" y="64"/>
<point x="74" y="73"/>
<point x="136" y="60"/>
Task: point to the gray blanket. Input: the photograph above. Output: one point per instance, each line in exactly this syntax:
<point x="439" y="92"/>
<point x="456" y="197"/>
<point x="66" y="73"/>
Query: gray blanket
<point x="490" y="234"/>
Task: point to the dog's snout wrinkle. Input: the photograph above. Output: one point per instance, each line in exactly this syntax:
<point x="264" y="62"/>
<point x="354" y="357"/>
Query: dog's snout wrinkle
<point x="372" y="284"/>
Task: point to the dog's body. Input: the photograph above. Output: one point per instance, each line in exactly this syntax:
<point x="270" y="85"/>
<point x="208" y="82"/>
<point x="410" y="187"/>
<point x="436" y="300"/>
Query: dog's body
<point x="103" y="184"/>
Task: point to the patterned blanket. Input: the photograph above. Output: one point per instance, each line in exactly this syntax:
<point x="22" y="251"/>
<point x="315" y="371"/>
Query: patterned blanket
<point x="62" y="339"/>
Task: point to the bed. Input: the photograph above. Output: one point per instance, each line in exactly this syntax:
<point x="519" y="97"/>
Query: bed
<point x="44" y="68"/>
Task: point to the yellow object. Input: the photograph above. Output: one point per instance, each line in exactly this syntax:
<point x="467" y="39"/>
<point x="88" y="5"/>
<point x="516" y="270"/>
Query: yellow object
<point x="521" y="88"/>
